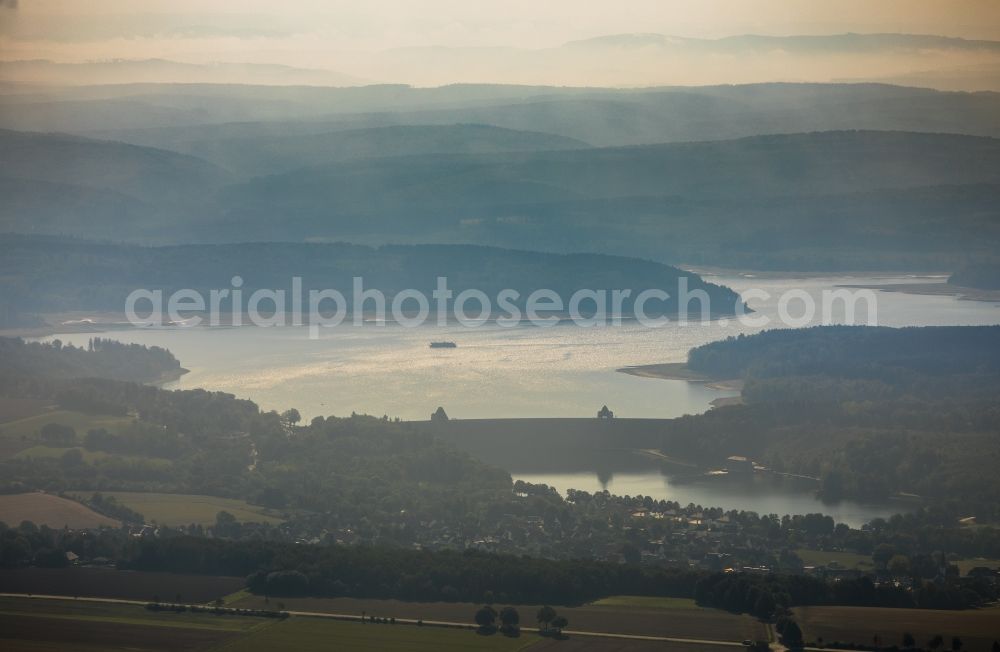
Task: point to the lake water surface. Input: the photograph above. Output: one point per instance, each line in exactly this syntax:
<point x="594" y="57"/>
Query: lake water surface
<point x="525" y="371"/>
<point x="753" y="493"/>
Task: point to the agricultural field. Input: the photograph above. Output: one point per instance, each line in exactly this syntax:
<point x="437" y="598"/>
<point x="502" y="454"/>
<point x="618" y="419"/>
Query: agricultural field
<point x="645" y="601"/>
<point x="684" y="620"/>
<point x="978" y="628"/>
<point x="89" y="456"/>
<point x="22" y="433"/>
<point x="965" y="565"/>
<point x="50" y="510"/>
<point x="601" y="644"/>
<point x="43" y="625"/>
<point x="73" y="626"/>
<point x="185" y="509"/>
<point x="123" y="585"/>
<point x="308" y="634"/>
<point x="14" y="409"/>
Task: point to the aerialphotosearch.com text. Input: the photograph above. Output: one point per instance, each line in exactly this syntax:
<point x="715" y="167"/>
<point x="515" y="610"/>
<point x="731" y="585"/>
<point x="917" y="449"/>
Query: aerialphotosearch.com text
<point x="321" y="309"/>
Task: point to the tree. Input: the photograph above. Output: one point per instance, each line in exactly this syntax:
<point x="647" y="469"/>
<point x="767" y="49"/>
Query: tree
<point x="15" y="551"/>
<point x="882" y="554"/>
<point x="225" y="524"/>
<point x="486" y="617"/>
<point x="899" y="565"/>
<point x="956" y="643"/>
<point x="71" y="459"/>
<point x="935" y="642"/>
<point x="291" y="416"/>
<point x="908" y="641"/>
<point x="286" y="583"/>
<point x="57" y="434"/>
<point x="791" y="635"/>
<point x="51" y="558"/>
<point x="764" y="607"/>
<point x="545" y="616"/>
<point x="559" y="622"/>
<point x="509" y="617"/>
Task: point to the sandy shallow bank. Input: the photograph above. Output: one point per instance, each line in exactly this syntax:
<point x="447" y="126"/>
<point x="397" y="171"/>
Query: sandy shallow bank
<point x="680" y="371"/>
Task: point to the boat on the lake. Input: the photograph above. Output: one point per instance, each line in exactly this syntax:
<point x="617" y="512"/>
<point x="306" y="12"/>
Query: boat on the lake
<point x="443" y="345"/>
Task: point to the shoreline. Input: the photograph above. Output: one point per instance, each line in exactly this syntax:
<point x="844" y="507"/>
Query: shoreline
<point x="680" y="371"/>
<point x="716" y="270"/>
<point x="934" y="289"/>
<point x="55" y="323"/>
<point x="103" y="322"/>
<point x="168" y="376"/>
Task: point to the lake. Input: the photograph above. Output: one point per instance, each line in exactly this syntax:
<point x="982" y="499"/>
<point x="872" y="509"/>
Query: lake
<point x="755" y="493"/>
<point x="525" y="371"/>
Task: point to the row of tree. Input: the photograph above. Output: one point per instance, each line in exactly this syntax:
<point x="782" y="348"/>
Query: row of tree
<point x="549" y="621"/>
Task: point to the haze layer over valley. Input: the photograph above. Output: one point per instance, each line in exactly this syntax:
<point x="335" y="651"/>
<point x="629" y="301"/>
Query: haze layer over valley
<point x="443" y="325"/>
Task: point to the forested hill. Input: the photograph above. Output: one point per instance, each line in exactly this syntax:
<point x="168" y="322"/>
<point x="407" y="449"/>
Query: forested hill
<point x="141" y="172"/>
<point x="268" y="153"/>
<point x="818" y="200"/>
<point x="983" y="276"/>
<point x="854" y="352"/>
<point x="870" y="412"/>
<point x="103" y="358"/>
<point x="48" y="274"/>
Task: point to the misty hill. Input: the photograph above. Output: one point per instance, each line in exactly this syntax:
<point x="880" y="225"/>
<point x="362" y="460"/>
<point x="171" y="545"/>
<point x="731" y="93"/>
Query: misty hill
<point x="716" y="113"/>
<point x="928" y="228"/>
<point x="862" y="200"/>
<point x="621" y="60"/>
<point x="173" y="115"/>
<point x="648" y="59"/>
<point x="781" y="165"/>
<point x="58" y="183"/>
<point x="126" y="106"/>
<point x="141" y="172"/>
<point x="54" y="274"/>
<point x="268" y="154"/>
<point x="40" y="71"/>
<point x="798" y="44"/>
<point x="33" y="206"/>
<point x="774" y="198"/>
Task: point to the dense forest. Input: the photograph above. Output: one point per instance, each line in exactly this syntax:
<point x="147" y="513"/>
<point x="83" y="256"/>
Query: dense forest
<point x="55" y="274"/>
<point x="872" y="412"/>
<point x="103" y="358"/>
<point x="896" y="356"/>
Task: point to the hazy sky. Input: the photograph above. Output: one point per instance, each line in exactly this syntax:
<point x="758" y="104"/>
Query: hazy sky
<point x="360" y="38"/>
<point x="298" y="31"/>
